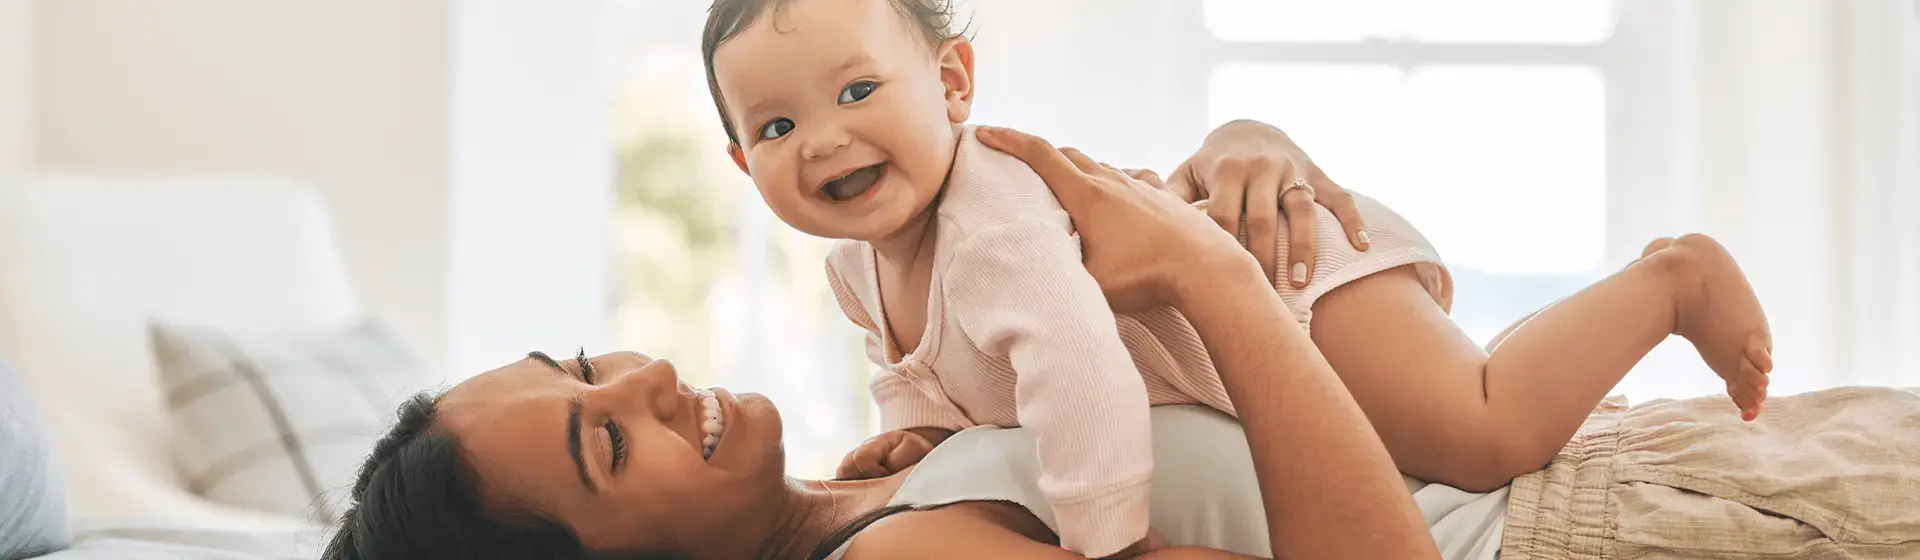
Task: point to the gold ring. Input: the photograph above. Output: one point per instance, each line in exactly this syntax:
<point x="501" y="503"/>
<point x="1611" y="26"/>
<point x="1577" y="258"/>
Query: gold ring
<point x="1299" y="183"/>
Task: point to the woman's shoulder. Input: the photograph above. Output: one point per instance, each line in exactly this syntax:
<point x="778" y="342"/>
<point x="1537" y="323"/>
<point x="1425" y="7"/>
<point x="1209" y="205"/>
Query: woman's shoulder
<point x="948" y="532"/>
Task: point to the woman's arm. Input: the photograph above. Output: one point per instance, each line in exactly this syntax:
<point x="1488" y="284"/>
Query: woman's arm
<point x="1331" y="491"/>
<point x="967" y="537"/>
<point x="1329" y="487"/>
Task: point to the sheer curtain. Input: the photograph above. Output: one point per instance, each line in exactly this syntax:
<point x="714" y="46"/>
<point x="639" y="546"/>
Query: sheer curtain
<point x="1789" y="130"/>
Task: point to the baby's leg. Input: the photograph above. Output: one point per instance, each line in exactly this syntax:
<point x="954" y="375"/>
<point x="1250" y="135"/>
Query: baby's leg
<point x="1450" y="413"/>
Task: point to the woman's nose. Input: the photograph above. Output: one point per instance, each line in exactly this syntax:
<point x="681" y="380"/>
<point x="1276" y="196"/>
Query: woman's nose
<point x="647" y="382"/>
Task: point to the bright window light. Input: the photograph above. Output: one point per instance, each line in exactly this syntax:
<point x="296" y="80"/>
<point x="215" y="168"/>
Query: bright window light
<point x="1503" y="168"/>
<point x="1474" y="21"/>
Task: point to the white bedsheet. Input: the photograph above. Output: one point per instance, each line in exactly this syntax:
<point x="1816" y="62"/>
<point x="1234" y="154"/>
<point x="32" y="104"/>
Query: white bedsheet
<point x="105" y="538"/>
<point x="1465" y="525"/>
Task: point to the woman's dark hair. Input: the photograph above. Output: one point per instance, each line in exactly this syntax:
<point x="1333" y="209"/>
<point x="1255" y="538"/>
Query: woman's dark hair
<point x="415" y="498"/>
<point x="727" y="18"/>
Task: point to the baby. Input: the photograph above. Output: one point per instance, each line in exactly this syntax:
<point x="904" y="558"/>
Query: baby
<point x="967" y="276"/>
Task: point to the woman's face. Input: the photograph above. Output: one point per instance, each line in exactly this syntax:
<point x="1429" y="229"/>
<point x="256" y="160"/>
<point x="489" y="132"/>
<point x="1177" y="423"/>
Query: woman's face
<point x="614" y="448"/>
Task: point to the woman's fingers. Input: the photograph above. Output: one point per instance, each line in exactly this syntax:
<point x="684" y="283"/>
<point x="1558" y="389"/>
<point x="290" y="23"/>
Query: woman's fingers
<point x="1146" y="176"/>
<point x="1263" y="214"/>
<point x="1182" y="184"/>
<point x="1080" y="161"/>
<point x="1061" y="174"/>
<point x="1228" y="185"/>
<point x="1299" y="205"/>
<point x="1111" y="172"/>
<point x="1340" y="202"/>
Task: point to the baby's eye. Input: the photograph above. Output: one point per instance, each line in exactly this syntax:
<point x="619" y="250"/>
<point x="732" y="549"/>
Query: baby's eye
<point x="857" y="91"/>
<point x="776" y="128"/>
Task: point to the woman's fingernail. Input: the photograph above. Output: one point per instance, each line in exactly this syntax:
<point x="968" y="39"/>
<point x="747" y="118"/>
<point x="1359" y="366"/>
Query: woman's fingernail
<point x="1363" y="236"/>
<point x="1299" y="272"/>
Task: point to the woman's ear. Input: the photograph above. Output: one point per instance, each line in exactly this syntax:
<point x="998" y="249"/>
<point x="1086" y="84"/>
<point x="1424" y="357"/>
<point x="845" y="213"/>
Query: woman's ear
<point x="739" y="157"/>
<point x="956" y="73"/>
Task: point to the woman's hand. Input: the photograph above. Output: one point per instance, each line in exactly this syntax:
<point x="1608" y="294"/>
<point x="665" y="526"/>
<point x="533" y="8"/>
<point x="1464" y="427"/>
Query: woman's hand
<point x="1253" y="168"/>
<point x="1143" y="245"/>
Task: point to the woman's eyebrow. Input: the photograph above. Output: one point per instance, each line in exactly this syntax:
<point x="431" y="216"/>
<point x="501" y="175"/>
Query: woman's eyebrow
<point x="573" y="445"/>
<point x="542" y="357"/>
<point x="573" y="423"/>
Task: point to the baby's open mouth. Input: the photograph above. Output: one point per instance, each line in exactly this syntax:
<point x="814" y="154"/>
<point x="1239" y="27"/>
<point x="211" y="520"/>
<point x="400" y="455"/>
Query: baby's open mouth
<point x="855" y="183"/>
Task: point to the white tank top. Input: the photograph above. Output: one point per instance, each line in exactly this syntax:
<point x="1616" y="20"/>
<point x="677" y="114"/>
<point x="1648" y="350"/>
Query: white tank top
<point x="1204" y="491"/>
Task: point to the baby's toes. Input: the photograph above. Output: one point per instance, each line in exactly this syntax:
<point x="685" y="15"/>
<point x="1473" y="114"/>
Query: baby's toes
<point x="1749" y="390"/>
<point x="1760" y="352"/>
<point x="1743" y="399"/>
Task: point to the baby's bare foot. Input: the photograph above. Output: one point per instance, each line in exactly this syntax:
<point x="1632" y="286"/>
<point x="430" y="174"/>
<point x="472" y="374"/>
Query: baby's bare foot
<point x="1719" y="313"/>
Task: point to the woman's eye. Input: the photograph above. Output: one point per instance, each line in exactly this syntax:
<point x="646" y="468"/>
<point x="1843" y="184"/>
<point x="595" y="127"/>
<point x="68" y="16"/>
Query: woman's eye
<point x="776" y="128"/>
<point x="857" y="91"/>
<point x="619" y="443"/>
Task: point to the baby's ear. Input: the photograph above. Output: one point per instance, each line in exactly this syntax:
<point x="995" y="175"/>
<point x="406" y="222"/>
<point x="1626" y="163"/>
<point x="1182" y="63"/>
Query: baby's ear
<point x="956" y="73"/>
<point x="739" y="157"/>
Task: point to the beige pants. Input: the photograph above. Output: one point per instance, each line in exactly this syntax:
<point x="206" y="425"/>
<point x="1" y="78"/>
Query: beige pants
<point x="1828" y="474"/>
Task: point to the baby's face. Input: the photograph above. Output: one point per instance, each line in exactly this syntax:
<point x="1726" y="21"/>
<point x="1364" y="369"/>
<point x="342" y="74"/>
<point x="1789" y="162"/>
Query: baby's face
<point x="846" y="118"/>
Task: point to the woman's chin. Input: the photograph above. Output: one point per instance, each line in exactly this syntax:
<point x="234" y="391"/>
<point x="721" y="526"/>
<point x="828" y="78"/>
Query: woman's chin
<point x="766" y="416"/>
<point x="753" y="438"/>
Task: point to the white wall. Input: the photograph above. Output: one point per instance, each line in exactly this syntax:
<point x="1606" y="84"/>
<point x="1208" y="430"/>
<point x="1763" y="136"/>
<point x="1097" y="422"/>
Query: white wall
<point x="1116" y="63"/>
<point x="460" y="144"/>
<point x="14" y="41"/>
<point x="532" y="168"/>
<point x="349" y="96"/>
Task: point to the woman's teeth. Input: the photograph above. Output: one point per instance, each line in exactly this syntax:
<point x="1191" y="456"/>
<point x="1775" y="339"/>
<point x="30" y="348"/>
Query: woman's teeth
<point x="711" y="424"/>
<point x="854" y="184"/>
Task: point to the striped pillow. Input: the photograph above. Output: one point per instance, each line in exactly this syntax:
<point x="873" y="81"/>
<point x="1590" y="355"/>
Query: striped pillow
<point x="280" y="422"/>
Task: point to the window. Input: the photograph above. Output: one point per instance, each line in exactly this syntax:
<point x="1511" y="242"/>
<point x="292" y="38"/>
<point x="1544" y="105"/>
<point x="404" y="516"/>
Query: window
<point x="1492" y="112"/>
<point x="705" y="275"/>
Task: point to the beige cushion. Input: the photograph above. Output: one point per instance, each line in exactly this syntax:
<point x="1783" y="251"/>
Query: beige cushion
<point x="88" y="261"/>
<point x="280" y="421"/>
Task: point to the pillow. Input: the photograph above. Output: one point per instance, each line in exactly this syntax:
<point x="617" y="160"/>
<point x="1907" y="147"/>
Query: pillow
<point x="280" y="421"/>
<point x="33" y="490"/>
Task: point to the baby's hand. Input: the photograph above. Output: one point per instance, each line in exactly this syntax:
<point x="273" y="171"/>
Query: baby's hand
<point x="1153" y="541"/>
<point x="890" y="452"/>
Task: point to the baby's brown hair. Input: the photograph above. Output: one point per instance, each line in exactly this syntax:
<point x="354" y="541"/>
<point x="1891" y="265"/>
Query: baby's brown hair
<point x="727" y="18"/>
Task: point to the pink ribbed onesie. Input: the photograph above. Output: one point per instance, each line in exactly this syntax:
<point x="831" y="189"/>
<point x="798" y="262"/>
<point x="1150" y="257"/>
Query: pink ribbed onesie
<point x="1018" y="334"/>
